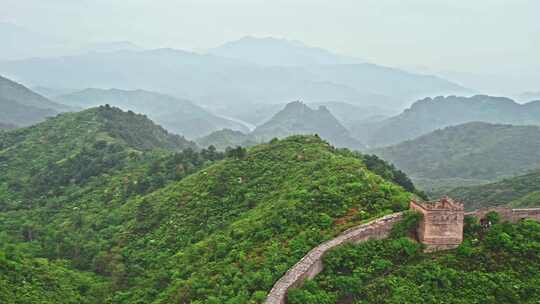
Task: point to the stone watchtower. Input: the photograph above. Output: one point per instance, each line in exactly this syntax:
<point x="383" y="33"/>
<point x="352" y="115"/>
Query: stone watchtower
<point x="442" y="225"/>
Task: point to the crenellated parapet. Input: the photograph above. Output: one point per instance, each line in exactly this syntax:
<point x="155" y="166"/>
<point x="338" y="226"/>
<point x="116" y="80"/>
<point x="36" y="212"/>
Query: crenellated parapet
<point x="508" y="214"/>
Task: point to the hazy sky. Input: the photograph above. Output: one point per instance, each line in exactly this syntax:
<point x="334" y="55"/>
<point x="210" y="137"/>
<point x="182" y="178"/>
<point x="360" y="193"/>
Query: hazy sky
<point x="458" y="35"/>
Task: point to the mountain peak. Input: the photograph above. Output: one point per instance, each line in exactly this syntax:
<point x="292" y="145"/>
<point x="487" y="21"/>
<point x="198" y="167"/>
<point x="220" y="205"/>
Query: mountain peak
<point x="298" y="118"/>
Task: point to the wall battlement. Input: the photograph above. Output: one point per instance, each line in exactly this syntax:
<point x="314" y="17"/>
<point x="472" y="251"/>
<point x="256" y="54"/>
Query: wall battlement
<point x="441" y="226"/>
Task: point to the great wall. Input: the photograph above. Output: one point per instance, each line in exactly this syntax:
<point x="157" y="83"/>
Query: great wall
<point x="441" y="228"/>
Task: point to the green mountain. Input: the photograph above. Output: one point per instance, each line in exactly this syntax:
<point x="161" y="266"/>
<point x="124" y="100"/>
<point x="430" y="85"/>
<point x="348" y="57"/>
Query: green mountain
<point x="471" y="153"/>
<point x="298" y="118"/>
<point x="22" y="107"/>
<point x="177" y="115"/>
<point x="519" y="191"/>
<point x="226" y="138"/>
<point x="430" y="114"/>
<point x="74" y="147"/>
<point x="499" y="264"/>
<point x="140" y="223"/>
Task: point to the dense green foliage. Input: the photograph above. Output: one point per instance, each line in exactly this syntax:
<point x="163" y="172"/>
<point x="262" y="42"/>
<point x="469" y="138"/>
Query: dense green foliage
<point x="519" y="191"/>
<point x="103" y="194"/>
<point x="72" y="148"/>
<point x="430" y="114"/>
<point x="243" y="222"/>
<point x="471" y="153"/>
<point x="38" y="280"/>
<point x="385" y="170"/>
<point x="500" y="264"/>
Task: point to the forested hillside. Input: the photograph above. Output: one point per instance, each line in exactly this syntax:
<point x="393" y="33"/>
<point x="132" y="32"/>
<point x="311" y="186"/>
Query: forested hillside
<point x="467" y="154"/>
<point x="73" y="148"/>
<point x="519" y="191"/>
<point x="430" y="114"/>
<point x="107" y="203"/>
<point x="496" y="265"/>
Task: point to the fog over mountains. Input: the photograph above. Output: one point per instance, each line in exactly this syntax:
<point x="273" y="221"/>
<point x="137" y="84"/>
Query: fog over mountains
<point x="20" y="106"/>
<point x="321" y="77"/>
<point x="177" y="115"/>
<point x="279" y="52"/>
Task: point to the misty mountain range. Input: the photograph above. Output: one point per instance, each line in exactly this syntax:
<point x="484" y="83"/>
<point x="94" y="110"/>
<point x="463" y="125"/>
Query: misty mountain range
<point x="20" y="106"/>
<point x="429" y="114"/>
<point x="220" y="79"/>
<point x="176" y="115"/>
<point x="279" y="52"/>
<point x="294" y="118"/>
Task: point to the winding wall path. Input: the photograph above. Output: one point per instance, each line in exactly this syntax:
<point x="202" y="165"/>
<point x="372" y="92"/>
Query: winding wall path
<point x="312" y="263"/>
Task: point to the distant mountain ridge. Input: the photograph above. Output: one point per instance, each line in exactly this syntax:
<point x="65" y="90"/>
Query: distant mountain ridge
<point x="429" y="114"/>
<point x="177" y="115"/>
<point x="348" y="114"/>
<point x="6" y="126"/>
<point x="529" y="96"/>
<point x="519" y="191"/>
<point x="298" y="118"/>
<point x="226" y="138"/>
<point x="278" y="52"/>
<point x="466" y="154"/>
<point x="233" y="82"/>
<point x="22" y="107"/>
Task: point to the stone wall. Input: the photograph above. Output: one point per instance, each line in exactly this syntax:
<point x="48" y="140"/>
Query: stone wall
<point x="508" y="214"/>
<point x="312" y="264"/>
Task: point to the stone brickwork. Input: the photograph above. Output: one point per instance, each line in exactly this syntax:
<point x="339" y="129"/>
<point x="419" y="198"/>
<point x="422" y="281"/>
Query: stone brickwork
<point x="312" y="264"/>
<point x="508" y="214"/>
<point x="441" y="226"/>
